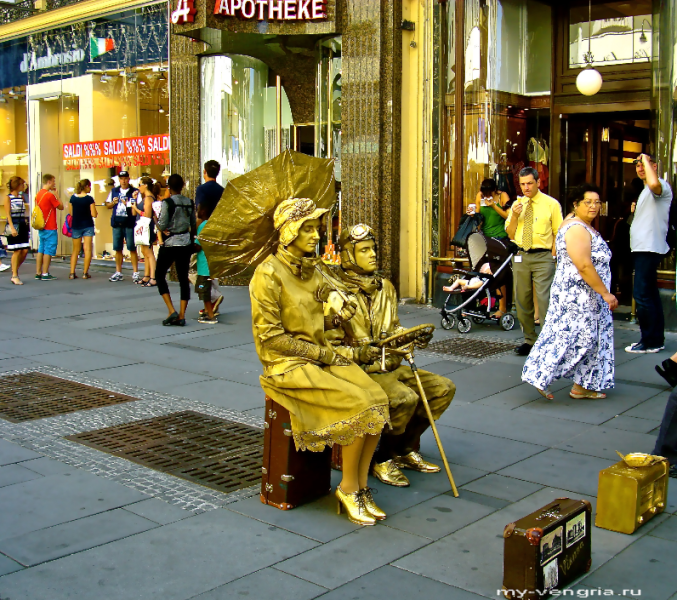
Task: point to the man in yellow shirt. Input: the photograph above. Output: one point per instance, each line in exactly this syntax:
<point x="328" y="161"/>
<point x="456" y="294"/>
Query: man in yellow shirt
<point x="532" y="224"/>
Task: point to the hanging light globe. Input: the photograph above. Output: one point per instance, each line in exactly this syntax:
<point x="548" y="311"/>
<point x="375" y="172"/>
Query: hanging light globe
<point x="589" y="81"/>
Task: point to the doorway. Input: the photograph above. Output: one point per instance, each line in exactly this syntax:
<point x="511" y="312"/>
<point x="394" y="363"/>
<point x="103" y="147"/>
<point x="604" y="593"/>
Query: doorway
<point x="600" y="148"/>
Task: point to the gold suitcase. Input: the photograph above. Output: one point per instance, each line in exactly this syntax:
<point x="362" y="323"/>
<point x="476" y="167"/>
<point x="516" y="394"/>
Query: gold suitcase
<point x="631" y="492"/>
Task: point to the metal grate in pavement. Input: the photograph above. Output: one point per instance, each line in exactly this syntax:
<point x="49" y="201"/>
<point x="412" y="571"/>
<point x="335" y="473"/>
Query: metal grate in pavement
<point x="216" y="453"/>
<point x="464" y="347"/>
<point x="30" y="396"/>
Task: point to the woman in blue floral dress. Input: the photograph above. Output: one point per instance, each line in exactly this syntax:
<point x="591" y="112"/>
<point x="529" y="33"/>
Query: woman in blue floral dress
<point x="577" y="339"/>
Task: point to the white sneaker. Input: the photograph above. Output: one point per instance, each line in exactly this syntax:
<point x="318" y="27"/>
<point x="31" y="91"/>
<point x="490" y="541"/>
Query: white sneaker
<point x="639" y="348"/>
<point x="116" y="277"/>
<point x="136" y="276"/>
<point x="4" y="267"/>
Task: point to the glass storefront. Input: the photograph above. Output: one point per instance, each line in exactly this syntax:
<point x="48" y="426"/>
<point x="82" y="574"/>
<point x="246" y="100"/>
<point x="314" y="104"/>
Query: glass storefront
<point x="85" y="102"/>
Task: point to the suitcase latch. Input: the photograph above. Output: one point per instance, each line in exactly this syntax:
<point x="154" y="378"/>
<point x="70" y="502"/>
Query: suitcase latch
<point x="272" y="414"/>
<point x="264" y="470"/>
<point x="287" y="478"/>
<point x="266" y="425"/>
<point x="288" y="432"/>
<point x="269" y="487"/>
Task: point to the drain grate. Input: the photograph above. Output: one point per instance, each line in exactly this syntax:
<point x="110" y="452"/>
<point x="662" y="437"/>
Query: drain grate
<point x="219" y="454"/>
<point x="30" y="396"/>
<point x="464" y="347"/>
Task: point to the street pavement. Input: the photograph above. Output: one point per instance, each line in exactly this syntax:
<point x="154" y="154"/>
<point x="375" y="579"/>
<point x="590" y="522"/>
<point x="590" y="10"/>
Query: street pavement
<point x="90" y="528"/>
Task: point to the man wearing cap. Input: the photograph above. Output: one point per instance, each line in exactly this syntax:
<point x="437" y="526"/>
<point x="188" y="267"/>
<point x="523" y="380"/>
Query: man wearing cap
<point x="648" y="244"/>
<point x="376" y="318"/>
<point x="122" y="221"/>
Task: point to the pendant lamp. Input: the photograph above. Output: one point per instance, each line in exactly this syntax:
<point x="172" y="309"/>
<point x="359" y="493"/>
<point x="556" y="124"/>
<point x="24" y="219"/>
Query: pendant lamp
<point x="589" y="80"/>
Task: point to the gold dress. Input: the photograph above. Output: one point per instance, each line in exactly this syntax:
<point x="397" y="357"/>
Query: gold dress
<point x="376" y="314"/>
<point x="328" y="404"/>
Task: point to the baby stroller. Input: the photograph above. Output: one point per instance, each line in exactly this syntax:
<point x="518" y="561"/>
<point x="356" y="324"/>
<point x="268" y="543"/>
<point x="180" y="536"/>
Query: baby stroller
<point x="478" y="303"/>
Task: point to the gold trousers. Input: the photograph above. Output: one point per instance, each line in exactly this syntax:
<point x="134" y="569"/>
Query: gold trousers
<point x="329" y="405"/>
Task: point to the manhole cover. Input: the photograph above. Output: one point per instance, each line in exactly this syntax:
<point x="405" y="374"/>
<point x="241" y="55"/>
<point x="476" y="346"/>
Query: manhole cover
<point x="213" y="452"/>
<point x="467" y="347"/>
<point x="30" y="396"/>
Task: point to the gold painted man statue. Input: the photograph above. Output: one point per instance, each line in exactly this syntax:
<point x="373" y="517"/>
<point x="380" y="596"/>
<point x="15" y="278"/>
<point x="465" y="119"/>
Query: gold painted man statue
<point x="377" y="318"/>
<point x="330" y="399"/>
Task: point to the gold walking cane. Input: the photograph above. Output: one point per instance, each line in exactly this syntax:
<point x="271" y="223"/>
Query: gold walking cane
<point x="407" y="338"/>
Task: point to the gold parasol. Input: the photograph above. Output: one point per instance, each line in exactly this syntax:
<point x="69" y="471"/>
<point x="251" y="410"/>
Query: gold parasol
<point x="240" y="232"/>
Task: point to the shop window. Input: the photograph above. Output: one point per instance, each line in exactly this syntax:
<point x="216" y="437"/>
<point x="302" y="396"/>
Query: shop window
<point x="328" y="102"/>
<point x="615" y="33"/>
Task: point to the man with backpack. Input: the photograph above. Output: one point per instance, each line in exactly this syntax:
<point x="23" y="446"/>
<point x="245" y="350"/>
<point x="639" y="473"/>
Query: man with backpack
<point x="649" y="245"/>
<point x="122" y="220"/>
<point x="46" y="202"/>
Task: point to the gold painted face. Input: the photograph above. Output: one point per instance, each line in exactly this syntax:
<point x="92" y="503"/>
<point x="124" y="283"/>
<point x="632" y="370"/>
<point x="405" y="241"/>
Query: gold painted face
<point x="365" y="256"/>
<point x="307" y="239"/>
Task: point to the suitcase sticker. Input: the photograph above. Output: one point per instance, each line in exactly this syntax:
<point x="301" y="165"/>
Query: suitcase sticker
<point x="550" y="575"/>
<point x="551" y="545"/>
<point x="575" y="530"/>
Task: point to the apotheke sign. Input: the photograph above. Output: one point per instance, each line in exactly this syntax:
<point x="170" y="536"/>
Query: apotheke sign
<point x="31" y="62"/>
<point x="273" y="10"/>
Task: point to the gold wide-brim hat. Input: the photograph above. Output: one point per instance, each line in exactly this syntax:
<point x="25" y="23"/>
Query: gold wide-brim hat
<point x="291" y="214"/>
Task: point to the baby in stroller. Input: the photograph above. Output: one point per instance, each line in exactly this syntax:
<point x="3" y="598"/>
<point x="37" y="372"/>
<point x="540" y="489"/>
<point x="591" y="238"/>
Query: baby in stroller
<point x="490" y="270"/>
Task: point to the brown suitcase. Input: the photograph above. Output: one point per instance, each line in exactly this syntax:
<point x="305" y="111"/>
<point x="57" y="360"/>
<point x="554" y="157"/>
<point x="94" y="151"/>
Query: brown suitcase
<point x="290" y="478"/>
<point x="547" y="549"/>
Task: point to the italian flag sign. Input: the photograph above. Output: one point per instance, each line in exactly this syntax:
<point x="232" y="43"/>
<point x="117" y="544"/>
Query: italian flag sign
<point x="99" y="46"/>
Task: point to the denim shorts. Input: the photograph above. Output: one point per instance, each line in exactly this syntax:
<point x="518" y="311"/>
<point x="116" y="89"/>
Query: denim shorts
<point x="48" y="239"/>
<point x="122" y="234"/>
<point x="80" y="233"/>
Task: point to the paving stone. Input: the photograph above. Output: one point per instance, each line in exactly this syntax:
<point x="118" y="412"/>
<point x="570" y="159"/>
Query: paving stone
<point x="351" y="556"/>
<point x="58" y="499"/>
<point x="642" y="369"/>
<point x="441" y="367"/>
<point x="267" y="583"/>
<point x="228" y="394"/>
<point x="10" y="364"/>
<point x="478" y="450"/>
<point x="648" y="565"/>
<point x="473" y="383"/>
<point x="174" y="562"/>
<point x="511" y="398"/>
<point x="13" y="453"/>
<point x="566" y="470"/>
<point x="150" y="376"/>
<point x="604" y="441"/>
<point x="438" y="516"/>
<point x="7" y="565"/>
<point x="30" y="347"/>
<point x="391" y="582"/>
<point x="666" y="530"/>
<point x="61" y="540"/>
<point x="482" y="500"/>
<point x="158" y="511"/>
<point x="502" y="487"/>
<point x="15" y="473"/>
<point x="83" y="360"/>
<point x="637" y="424"/>
<point x="47" y="466"/>
<point x="653" y="408"/>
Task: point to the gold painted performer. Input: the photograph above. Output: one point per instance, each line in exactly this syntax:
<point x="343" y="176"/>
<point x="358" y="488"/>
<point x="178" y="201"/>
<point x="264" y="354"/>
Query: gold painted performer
<point x="377" y="318"/>
<point x="330" y="399"/>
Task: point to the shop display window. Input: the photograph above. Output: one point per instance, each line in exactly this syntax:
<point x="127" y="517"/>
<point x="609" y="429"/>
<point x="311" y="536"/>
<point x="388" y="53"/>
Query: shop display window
<point x="92" y="101"/>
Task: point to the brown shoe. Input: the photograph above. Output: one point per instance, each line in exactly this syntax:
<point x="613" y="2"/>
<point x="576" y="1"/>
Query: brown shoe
<point x="387" y="472"/>
<point x="415" y="462"/>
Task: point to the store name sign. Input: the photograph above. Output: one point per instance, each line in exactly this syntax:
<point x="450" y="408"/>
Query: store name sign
<point x="272" y="10"/>
<point x="126" y="151"/>
<point x="31" y="62"/>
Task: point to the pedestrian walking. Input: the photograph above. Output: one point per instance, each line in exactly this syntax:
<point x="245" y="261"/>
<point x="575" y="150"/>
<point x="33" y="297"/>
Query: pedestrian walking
<point x="666" y="442"/>
<point x="16" y="209"/>
<point x="533" y="223"/>
<point x="177" y="224"/>
<point x="145" y="198"/>
<point x="122" y="219"/>
<point x="83" y="213"/>
<point x="577" y="339"/>
<point x="47" y="200"/>
<point x="648" y="244"/>
<point x="203" y="285"/>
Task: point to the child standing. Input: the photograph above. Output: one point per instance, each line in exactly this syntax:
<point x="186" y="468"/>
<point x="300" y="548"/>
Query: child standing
<point x="203" y="284"/>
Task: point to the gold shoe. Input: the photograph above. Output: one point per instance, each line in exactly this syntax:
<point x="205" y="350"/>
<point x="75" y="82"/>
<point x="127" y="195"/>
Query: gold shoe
<point x="375" y="511"/>
<point x="355" y="507"/>
<point x="387" y="472"/>
<point x="415" y="462"/>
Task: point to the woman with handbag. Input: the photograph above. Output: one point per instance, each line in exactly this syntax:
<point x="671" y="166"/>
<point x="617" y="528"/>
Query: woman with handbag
<point x="83" y="213"/>
<point x="145" y="197"/>
<point x="17" y="229"/>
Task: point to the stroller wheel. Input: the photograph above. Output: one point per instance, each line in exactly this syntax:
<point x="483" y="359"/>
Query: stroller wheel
<point x="448" y="321"/>
<point x="507" y="321"/>
<point x="478" y="320"/>
<point x="464" y="325"/>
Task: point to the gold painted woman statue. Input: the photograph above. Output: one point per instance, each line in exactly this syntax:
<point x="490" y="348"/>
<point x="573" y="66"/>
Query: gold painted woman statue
<point x="330" y="399"/>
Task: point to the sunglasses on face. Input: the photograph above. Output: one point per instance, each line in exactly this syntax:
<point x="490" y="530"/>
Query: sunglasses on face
<point x="639" y="162"/>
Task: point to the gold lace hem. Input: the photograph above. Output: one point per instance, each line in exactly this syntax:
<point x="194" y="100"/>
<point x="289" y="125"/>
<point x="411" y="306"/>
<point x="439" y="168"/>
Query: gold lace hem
<point x="368" y="422"/>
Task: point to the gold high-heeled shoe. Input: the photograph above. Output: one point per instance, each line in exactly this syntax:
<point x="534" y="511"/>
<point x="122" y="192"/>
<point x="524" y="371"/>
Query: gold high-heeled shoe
<point x="368" y="498"/>
<point x="355" y="507"/>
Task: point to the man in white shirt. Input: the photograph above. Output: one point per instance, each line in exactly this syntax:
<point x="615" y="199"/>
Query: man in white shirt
<point x="648" y="234"/>
<point x="122" y="222"/>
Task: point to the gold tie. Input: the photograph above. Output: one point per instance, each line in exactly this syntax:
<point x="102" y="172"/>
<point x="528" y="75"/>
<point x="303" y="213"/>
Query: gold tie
<point x="528" y="231"/>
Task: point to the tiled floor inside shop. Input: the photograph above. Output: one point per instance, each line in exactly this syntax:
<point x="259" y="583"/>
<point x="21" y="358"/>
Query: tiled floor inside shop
<point x="79" y="523"/>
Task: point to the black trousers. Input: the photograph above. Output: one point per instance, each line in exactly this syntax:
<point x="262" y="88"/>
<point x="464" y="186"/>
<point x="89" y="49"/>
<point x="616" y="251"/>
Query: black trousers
<point x="666" y="443"/>
<point x="648" y="299"/>
<point x="179" y="255"/>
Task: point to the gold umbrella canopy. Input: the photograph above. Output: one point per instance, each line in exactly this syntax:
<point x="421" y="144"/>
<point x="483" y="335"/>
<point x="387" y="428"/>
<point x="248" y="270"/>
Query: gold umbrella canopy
<point x="240" y="232"/>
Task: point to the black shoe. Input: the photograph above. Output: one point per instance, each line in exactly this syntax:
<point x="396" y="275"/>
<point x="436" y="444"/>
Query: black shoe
<point x="523" y="350"/>
<point x="668" y="372"/>
<point x="171" y="319"/>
